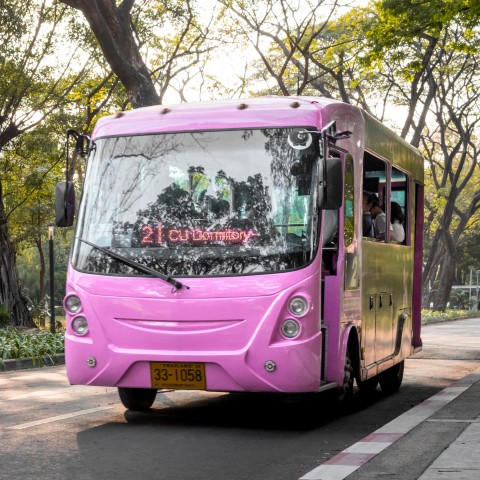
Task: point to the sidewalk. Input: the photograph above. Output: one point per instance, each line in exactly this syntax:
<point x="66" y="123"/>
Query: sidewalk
<point x="439" y="438"/>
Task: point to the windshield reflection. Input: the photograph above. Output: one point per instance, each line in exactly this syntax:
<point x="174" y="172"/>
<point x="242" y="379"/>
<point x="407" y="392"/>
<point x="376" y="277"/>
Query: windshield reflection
<point x="199" y="203"/>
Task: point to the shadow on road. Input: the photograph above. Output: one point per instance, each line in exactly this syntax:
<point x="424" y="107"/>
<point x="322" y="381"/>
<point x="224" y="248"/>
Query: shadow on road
<point x="256" y="411"/>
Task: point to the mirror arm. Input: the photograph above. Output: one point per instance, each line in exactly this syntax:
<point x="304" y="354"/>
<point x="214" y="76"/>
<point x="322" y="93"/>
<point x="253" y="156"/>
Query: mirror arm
<point x="80" y="142"/>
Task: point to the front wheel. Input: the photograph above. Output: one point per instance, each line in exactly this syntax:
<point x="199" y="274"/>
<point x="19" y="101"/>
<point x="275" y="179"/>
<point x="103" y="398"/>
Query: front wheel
<point x="345" y="391"/>
<point x="137" y="399"/>
<point x="391" y="379"/>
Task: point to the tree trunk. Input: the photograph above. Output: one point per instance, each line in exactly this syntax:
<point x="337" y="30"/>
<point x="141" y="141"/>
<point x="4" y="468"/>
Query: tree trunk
<point x="111" y="25"/>
<point x="10" y="294"/>
<point x="447" y="274"/>
<point x="41" y="281"/>
<point x="439" y="271"/>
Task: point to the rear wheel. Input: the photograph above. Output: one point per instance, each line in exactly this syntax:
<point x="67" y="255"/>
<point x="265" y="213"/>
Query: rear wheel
<point x="137" y="399"/>
<point x="368" y="386"/>
<point x="391" y="379"/>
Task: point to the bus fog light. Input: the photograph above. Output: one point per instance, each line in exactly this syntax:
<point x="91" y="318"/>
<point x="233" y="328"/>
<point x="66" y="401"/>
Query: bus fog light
<point x="290" y="328"/>
<point x="270" y="366"/>
<point x="73" y="304"/>
<point x="298" y="306"/>
<point x="80" y="325"/>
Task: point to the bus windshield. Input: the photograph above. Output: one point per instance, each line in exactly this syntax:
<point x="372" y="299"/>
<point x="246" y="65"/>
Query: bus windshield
<point x="207" y="203"/>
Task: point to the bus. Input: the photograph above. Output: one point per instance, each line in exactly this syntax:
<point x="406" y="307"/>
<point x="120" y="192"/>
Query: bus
<point x="219" y="246"/>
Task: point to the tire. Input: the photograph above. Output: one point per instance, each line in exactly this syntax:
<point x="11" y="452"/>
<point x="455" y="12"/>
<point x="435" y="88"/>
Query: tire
<point x="391" y="379"/>
<point x="345" y="391"/>
<point x="137" y="399"/>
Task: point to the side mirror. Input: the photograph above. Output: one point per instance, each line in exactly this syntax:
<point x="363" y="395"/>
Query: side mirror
<point x="64" y="204"/>
<point x="333" y="190"/>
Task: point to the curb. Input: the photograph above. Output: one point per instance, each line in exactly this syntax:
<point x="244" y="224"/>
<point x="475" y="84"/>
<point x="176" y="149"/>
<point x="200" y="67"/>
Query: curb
<point x="25" y="363"/>
<point x="352" y="458"/>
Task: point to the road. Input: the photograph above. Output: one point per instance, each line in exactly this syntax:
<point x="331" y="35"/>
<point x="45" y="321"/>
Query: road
<point x="51" y="430"/>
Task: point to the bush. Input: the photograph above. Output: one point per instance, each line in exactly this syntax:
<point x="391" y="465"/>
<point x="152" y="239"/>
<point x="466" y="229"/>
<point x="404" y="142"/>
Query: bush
<point x="432" y="316"/>
<point x="38" y="345"/>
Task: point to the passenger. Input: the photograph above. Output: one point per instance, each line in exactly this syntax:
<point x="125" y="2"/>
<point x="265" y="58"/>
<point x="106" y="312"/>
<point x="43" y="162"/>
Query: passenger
<point x="368" y="230"/>
<point x="397" y="231"/>
<point x="378" y="216"/>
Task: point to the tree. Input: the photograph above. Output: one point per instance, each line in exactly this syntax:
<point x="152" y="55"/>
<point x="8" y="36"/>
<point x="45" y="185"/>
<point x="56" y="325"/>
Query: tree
<point x="420" y="59"/>
<point x="284" y="34"/>
<point x="30" y="89"/>
<point x="37" y="79"/>
<point x="35" y="164"/>
<point x="124" y="31"/>
<point x="432" y="66"/>
<point x="111" y="25"/>
<point x="451" y="148"/>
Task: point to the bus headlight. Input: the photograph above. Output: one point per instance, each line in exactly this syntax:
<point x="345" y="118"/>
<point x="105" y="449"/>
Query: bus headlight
<point x="73" y="304"/>
<point x="298" y="306"/>
<point x="290" y="328"/>
<point x="80" y="325"/>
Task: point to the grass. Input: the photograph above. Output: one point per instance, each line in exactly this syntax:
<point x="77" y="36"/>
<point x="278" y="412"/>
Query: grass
<point x="38" y="345"/>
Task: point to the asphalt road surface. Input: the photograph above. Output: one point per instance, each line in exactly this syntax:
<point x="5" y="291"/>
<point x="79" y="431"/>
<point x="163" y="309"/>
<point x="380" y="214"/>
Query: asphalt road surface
<point x="51" y="430"/>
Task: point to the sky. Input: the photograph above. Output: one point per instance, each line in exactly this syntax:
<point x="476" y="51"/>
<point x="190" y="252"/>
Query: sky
<point x="232" y="61"/>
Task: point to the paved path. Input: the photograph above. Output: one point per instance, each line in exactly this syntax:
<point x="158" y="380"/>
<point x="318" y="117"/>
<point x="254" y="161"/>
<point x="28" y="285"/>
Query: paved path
<point x="439" y="438"/>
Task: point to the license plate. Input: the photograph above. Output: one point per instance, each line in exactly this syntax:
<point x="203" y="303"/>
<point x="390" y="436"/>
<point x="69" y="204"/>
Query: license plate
<point x="179" y="376"/>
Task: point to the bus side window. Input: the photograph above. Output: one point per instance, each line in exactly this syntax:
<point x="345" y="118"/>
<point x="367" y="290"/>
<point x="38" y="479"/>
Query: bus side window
<point x="399" y="232"/>
<point x="375" y="183"/>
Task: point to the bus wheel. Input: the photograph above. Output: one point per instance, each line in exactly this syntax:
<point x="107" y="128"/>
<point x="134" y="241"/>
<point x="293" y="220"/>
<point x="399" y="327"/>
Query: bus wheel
<point x="368" y="386"/>
<point x="391" y="379"/>
<point x="345" y="392"/>
<point x="137" y="399"/>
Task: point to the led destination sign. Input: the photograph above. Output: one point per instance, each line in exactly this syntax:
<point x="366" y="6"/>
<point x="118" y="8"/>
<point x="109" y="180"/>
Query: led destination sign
<point x="156" y="235"/>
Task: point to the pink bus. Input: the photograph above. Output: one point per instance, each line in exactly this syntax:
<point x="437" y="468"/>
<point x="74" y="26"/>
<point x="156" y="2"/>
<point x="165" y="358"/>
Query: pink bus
<point x="220" y="246"/>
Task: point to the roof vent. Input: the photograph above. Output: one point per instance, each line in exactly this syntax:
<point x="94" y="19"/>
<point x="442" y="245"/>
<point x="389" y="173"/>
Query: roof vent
<point x="163" y="111"/>
<point x="242" y="106"/>
<point x="295" y="104"/>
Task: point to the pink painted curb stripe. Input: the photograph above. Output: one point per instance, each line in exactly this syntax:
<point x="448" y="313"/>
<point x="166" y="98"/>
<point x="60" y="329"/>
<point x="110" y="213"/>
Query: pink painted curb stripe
<point x="383" y="437"/>
<point x="346" y="462"/>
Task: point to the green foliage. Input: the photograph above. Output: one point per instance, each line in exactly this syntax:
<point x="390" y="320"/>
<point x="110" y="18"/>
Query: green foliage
<point x="398" y="22"/>
<point x="459" y="299"/>
<point x="28" y="265"/>
<point x="4" y="316"/>
<point x="38" y="345"/>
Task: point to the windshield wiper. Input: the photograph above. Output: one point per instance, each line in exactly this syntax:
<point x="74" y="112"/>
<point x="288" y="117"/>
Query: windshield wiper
<point x="131" y="263"/>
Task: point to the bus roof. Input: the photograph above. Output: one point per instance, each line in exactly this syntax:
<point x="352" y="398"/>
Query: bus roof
<point x="264" y="112"/>
<point x="268" y="111"/>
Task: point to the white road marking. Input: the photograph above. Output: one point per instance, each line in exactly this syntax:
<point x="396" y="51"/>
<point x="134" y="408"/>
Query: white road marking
<point x="451" y="420"/>
<point x="22" y="426"/>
